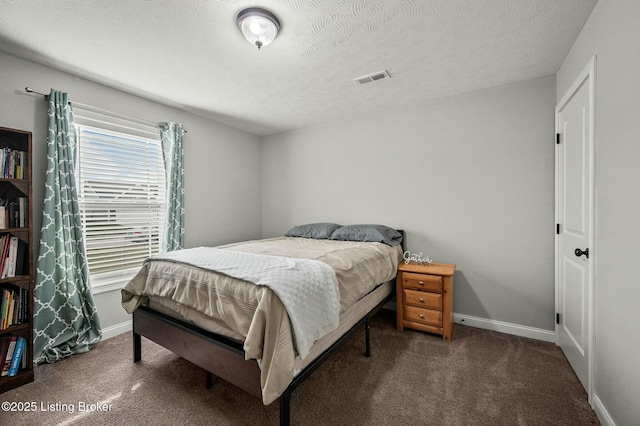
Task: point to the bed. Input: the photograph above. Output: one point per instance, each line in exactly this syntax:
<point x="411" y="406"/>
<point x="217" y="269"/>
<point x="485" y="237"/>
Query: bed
<point x="227" y="310"/>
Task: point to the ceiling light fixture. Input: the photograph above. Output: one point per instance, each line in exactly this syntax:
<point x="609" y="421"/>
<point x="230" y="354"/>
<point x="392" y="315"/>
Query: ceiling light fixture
<point x="259" y="26"/>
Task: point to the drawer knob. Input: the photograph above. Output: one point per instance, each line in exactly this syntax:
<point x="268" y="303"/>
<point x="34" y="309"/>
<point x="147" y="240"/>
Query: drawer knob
<point x="421" y="316"/>
<point x="420" y="282"/>
<point x="421" y="300"/>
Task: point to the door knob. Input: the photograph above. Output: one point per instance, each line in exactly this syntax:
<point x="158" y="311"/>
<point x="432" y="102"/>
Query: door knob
<point x="579" y="252"/>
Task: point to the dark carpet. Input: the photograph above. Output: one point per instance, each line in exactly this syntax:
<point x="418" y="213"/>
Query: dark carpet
<point x="479" y="378"/>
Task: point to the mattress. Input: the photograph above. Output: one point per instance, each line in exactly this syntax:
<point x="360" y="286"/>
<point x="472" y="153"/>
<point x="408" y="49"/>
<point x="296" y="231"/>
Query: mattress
<point x="254" y="314"/>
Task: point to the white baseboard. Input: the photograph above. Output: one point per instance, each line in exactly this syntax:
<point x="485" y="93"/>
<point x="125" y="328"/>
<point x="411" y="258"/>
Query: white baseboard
<point x="487" y="324"/>
<point x="114" y="330"/>
<point x="601" y="412"/>
<point x="505" y="327"/>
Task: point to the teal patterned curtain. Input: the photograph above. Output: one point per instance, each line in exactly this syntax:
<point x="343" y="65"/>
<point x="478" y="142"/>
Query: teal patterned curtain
<point x="171" y="135"/>
<point x="65" y="317"/>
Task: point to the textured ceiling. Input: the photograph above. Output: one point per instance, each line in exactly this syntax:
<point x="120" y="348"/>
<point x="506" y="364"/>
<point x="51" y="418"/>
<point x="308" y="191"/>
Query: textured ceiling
<point x="190" y="53"/>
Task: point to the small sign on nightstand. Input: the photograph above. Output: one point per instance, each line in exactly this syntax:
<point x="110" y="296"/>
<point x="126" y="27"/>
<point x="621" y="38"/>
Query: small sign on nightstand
<point x="416" y="259"/>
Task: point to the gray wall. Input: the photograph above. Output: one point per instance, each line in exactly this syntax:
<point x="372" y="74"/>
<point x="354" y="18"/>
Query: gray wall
<point x="470" y="178"/>
<point x="612" y="33"/>
<point x="222" y="164"/>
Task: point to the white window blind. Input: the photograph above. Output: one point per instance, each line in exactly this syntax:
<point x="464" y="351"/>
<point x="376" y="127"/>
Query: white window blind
<point x="121" y="194"/>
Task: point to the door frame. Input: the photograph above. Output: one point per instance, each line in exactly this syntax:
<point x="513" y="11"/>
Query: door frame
<point x="589" y="72"/>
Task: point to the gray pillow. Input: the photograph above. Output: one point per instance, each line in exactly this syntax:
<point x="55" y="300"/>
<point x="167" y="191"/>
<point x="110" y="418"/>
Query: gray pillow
<point x="368" y="233"/>
<point x="319" y="231"/>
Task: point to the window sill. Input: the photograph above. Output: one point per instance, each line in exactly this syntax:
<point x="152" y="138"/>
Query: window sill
<point x="105" y="288"/>
<point x="111" y="281"/>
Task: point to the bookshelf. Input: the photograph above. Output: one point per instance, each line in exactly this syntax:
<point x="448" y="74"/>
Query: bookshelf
<point x="16" y="258"/>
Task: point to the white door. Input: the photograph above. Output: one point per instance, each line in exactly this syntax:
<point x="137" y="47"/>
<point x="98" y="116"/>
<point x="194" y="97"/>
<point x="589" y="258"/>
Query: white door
<point x="574" y="213"/>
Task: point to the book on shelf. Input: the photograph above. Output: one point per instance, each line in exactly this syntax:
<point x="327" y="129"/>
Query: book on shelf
<point x="10" y="307"/>
<point x="12" y="256"/>
<point x="9" y="355"/>
<point x="13" y="163"/>
<point x="12" y="350"/>
<point x="21" y="258"/>
<point x="23" y="362"/>
<point x="4" y="347"/>
<point x="14" y="213"/>
<point x="4" y="309"/>
<point x="4" y="244"/>
<point x="14" y="307"/>
<point x="17" y="356"/>
<point x="23" y="206"/>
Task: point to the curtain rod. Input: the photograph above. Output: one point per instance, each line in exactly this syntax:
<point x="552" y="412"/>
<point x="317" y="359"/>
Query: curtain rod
<point x="30" y="90"/>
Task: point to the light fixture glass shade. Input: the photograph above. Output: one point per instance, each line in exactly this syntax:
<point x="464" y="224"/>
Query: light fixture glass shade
<point x="260" y="27"/>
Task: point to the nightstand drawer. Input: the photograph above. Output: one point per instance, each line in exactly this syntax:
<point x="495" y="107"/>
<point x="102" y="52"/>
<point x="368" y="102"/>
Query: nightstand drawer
<point x="423" y="299"/>
<point x="423" y="316"/>
<point x="422" y="282"/>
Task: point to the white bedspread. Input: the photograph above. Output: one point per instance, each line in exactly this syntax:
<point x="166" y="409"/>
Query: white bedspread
<point x="307" y="288"/>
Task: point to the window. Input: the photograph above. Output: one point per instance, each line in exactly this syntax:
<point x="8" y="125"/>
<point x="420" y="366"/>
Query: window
<point x="121" y="185"/>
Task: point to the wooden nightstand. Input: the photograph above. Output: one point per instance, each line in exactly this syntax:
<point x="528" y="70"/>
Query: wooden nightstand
<point x="424" y="298"/>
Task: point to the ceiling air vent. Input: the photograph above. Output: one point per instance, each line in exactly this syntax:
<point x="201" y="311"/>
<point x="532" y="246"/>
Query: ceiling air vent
<point x="380" y="75"/>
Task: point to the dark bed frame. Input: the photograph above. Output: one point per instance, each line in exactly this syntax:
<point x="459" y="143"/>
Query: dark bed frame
<point x="223" y="357"/>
